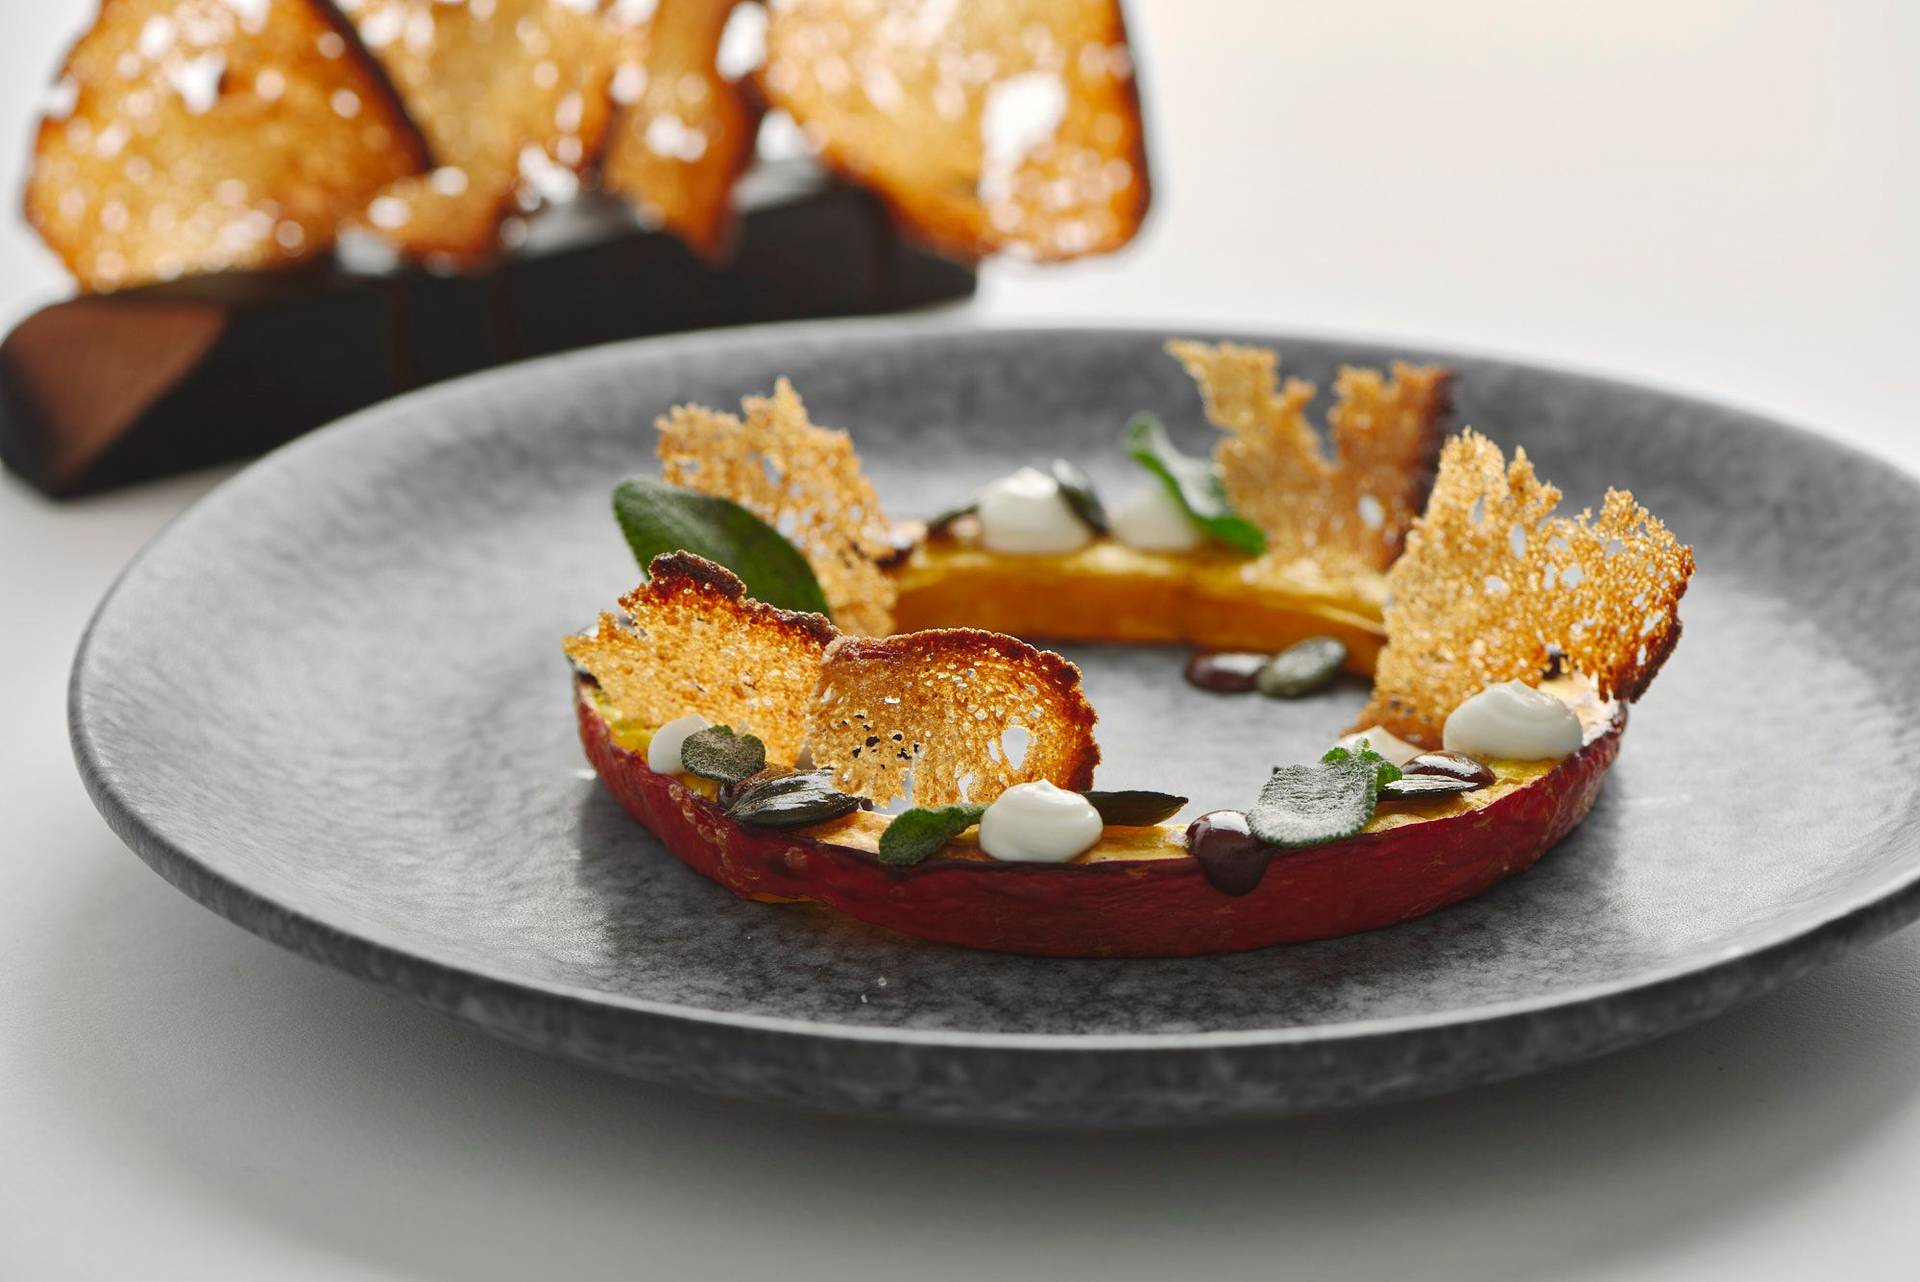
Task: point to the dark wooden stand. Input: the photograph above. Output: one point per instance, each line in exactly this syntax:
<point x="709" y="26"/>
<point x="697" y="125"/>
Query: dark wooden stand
<point x="102" y="391"/>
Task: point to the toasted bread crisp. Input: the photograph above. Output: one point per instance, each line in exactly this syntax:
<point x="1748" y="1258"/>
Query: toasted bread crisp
<point x="1495" y="588"/>
<point x="804" y="481"/>
<point x="684" y="132"/>
<point x="951" y="715"/>
<point x="1347" y="514"/>
<point x="207" y="135"/>
<point x="696" y="642"/>
<point x="512" y="96"/>
<point x="998" y="125"/>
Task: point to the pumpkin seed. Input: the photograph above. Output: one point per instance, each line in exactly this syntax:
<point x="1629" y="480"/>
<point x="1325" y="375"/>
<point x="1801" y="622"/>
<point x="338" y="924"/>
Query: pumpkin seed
<point x="1076" y="487"/>
<point x="1425" y="788"/>
<point x="1134" y="807"/>
<point x="790" y="801"/>
<point x="1302" y="669"/>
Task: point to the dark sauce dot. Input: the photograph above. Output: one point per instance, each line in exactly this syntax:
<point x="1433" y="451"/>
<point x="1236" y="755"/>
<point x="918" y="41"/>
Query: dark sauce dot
<point x="1233" y="859"/>
<point x="1230" y="672"/>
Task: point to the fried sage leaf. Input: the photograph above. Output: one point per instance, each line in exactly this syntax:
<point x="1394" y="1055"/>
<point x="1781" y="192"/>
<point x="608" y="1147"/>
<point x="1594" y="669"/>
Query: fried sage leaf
<point x="719" y="754"/>
<point x="1076" y="487"/>
<point x="1302" y="668"/>
<point x="916" y="834"/>
<point x="657" y="517"/>
<point x="1316" y="804"/>
<point x="790" y="801"/>
<point x="1194" y="484"/>
<point x="1134" y="807"/>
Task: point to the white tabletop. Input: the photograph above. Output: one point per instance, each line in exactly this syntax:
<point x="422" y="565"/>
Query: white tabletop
<point x="1719" y="197"/>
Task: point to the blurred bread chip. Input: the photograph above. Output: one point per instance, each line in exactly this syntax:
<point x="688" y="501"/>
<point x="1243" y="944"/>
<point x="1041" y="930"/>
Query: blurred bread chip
<point x="684" y="131"/>
<point x="999" y="125"/>
<point x="512" y="96"/>
<point x="209" y="135"/>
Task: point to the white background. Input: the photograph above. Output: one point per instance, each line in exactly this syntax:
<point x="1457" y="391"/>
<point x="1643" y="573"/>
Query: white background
<point x="1718" y="197"/>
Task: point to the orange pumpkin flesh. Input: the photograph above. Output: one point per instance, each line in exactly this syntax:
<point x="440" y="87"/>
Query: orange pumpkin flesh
<point x="1137" y="893"/>
<point x="1108" y="591"/>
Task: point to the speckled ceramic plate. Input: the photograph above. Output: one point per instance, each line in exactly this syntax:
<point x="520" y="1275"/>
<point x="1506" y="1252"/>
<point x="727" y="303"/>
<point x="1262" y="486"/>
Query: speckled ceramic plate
<point x="329" y="703"/>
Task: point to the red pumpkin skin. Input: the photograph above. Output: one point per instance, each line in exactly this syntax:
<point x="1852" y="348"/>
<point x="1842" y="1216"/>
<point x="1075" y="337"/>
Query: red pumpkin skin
<point x="1120" y="908"/>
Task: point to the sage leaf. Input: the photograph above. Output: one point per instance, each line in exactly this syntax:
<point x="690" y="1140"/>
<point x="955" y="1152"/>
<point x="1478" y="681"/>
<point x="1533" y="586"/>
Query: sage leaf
<point x="918" y="833"/>
<point x="719" y="754"/>
<point x="657" y="517"/>
<point x="1315" y="804"/>
<point x="1194" y="484"/>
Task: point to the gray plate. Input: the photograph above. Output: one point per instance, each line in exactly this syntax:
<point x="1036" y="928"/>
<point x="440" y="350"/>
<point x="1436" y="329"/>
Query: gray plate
<point x="329" y="704"/>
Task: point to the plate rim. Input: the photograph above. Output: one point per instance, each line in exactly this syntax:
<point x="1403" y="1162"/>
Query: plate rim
<point x="1688" y="992"/>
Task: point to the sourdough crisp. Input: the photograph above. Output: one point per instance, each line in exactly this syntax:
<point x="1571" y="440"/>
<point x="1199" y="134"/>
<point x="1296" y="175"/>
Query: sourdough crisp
<point x="1348" y="514"/>
<point x="1493" y="587"/>
<point x="695" y="642"/>
<point x="804" y="481"/>
<point x="938" y="706"/>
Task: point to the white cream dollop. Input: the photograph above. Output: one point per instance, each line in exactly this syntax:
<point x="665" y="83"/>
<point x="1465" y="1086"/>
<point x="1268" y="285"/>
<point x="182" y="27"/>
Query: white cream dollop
<point x="1039" y="823"/>
<point x="1513" y="720"/>
<point x="1383" y="741"/>
<point x="1026" y="515"/>
<point x="663" y="750"/>
<point x="1153" y="521"/>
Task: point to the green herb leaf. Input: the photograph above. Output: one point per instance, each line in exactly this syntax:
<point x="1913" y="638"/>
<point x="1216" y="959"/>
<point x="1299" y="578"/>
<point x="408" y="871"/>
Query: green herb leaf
<point x="790" y="801"/>
<point x="657" y="517"/>
<point x="1195" y="484"/>
<point x="1076" y="487"/>
<point x="1312" y="805"/>
<point x="915" y="834"/>
<point x="1363" y="751"/>
<point x="718" y="753"/>
<point x="1134" y="808"/>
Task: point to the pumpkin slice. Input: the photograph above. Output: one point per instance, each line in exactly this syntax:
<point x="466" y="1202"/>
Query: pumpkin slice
<point x="1137" y="893"/>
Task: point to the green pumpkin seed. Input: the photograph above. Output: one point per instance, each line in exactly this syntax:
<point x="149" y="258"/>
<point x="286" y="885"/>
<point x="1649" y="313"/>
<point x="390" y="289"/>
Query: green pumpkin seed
<point x="1302" y="669"/>
<point x="1425" y="788"/>
<point x="1076" y="487"/>
<point x="1134" y="807"/>
<point x="790" y="801"/>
